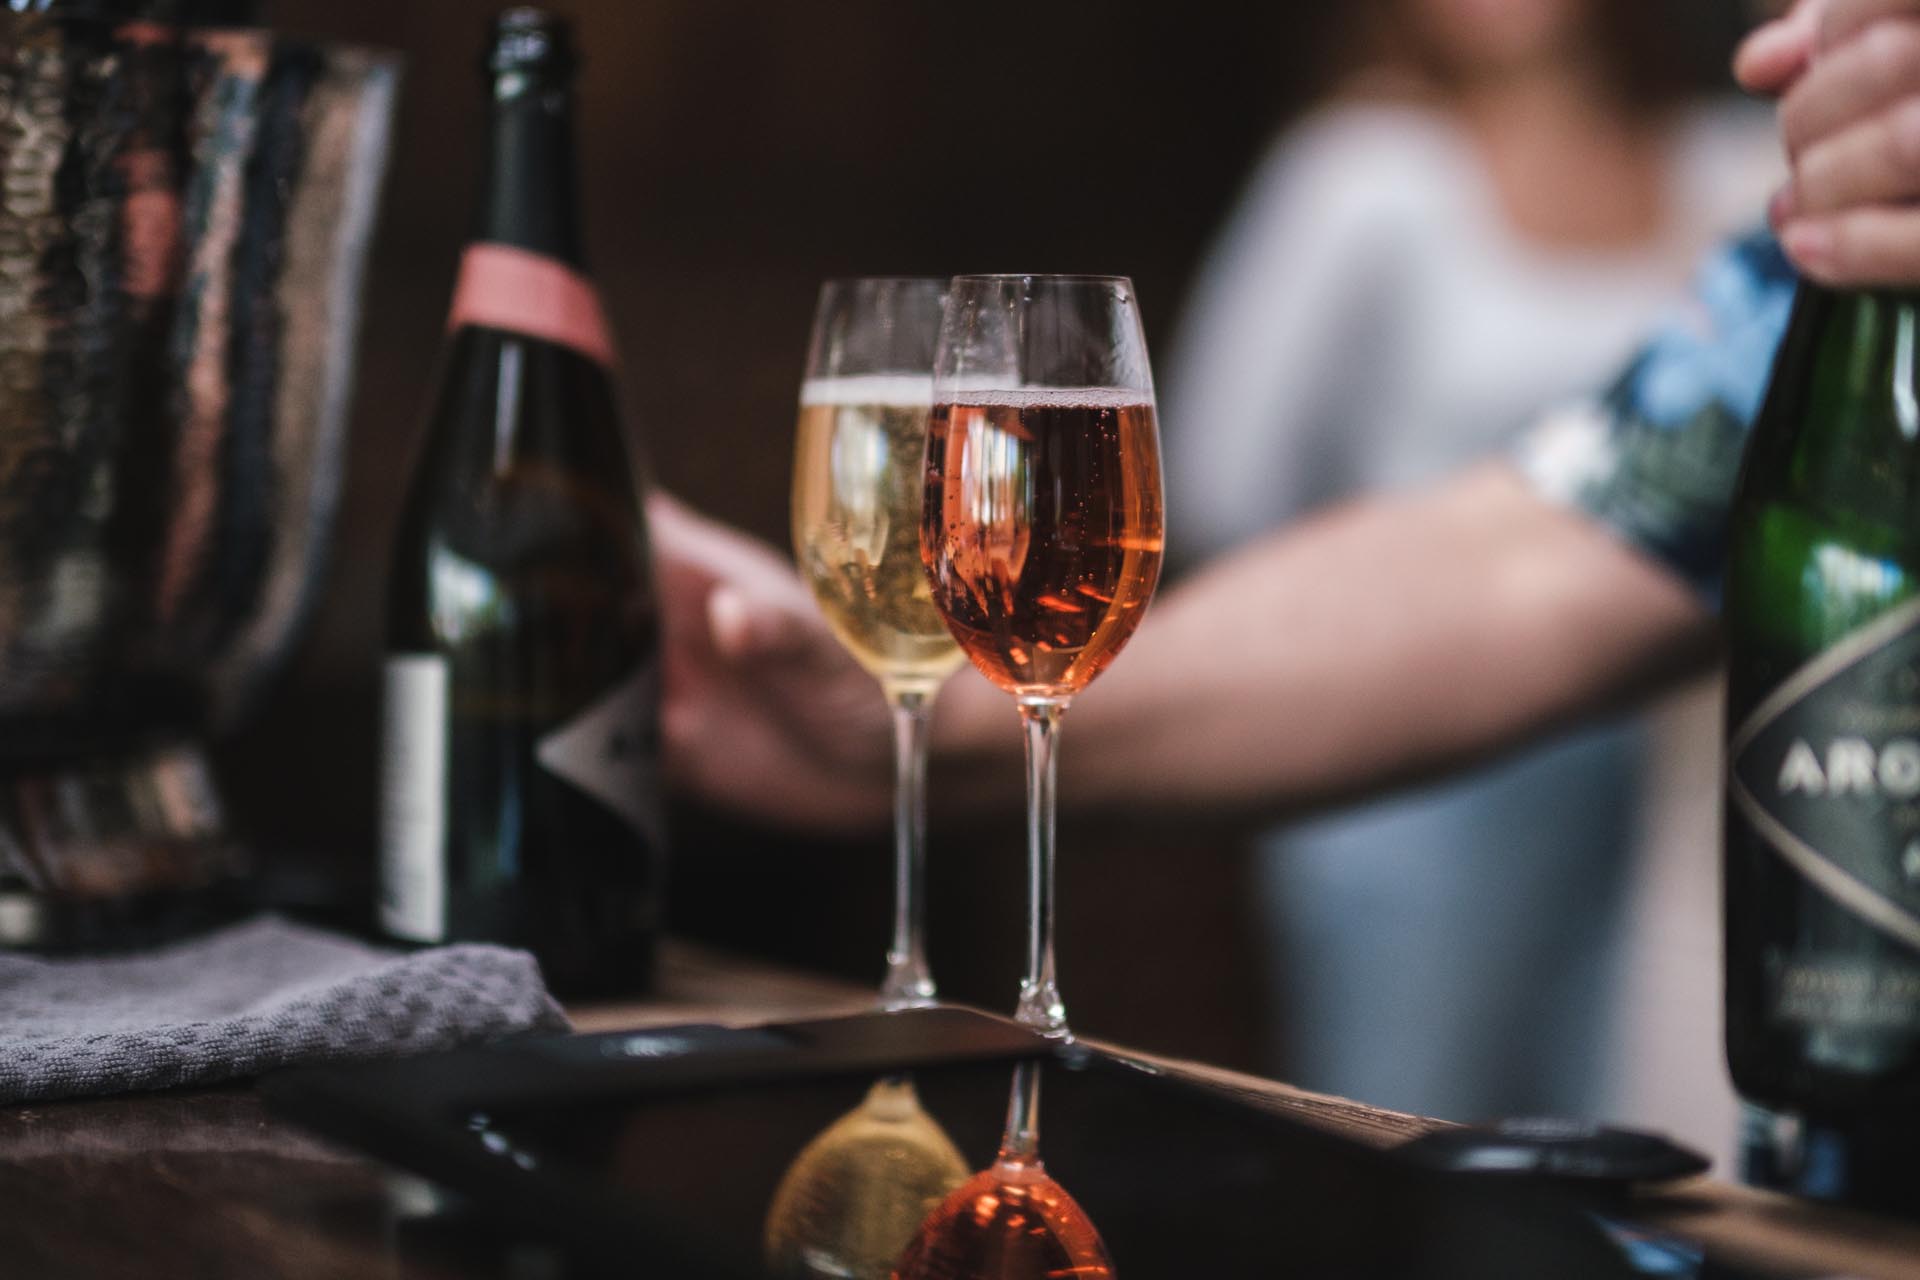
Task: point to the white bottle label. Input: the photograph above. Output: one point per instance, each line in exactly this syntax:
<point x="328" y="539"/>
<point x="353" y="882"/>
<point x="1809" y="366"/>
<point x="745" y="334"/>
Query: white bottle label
<point x="611" y="752"/>
<point x="413" y="799"/>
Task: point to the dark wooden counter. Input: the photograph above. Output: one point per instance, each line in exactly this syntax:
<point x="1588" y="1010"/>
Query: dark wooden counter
<point x="204" y="1184"/>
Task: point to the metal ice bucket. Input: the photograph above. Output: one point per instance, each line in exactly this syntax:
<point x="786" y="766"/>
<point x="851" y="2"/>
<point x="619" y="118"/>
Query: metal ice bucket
<point x="184" y="224"/>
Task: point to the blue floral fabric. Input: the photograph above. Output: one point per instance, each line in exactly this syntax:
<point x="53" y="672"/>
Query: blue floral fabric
<point x="1656" y="456"/>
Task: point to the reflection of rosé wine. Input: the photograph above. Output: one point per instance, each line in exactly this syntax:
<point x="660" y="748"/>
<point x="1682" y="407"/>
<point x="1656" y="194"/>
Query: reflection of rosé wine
<point x="1009" y="1222"/>
<point x="852" y="1198"/>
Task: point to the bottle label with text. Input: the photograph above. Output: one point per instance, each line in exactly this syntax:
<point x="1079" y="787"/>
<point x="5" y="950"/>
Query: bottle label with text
<point x="1826" y="771"/>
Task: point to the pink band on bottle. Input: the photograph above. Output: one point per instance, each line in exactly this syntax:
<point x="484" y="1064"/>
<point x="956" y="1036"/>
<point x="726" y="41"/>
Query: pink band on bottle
<point x="502" y="287"/>
<point x="147" y="33"/>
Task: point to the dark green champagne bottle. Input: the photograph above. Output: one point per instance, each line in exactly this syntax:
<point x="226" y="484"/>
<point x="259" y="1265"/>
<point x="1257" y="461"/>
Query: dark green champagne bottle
<point x="1822" y="872"/>
<point x="520" y="782"/>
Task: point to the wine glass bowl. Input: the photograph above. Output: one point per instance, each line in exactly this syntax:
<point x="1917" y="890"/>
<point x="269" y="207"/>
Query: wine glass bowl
<point x="856" y="496"/>
<point x="1008" y="1222"/>
<point x="1046" y="542"/>
<point x="853" y="1198"/>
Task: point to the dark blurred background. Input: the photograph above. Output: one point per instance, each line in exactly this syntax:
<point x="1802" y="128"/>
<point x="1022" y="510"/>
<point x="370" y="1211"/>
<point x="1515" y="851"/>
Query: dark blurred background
<point x="734" y="154"/>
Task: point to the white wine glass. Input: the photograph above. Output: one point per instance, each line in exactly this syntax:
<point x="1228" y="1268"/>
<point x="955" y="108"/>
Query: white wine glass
<point x="857" y="489"/>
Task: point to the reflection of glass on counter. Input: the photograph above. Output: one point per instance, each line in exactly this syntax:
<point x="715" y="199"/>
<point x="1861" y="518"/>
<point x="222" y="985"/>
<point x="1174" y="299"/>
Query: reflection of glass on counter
<point x="852" y="1198"/>
<point x="1011" y="1221"/>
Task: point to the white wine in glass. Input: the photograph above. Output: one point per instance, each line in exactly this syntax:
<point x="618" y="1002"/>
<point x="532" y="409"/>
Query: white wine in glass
<point x="858" y="487"/>
<point x="853" y="1198"/>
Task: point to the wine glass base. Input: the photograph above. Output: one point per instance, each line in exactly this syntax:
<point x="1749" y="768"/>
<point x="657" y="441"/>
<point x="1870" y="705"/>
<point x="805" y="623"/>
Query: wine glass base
<point x="903" y="992"/>
<point x="1040" y="1009"/>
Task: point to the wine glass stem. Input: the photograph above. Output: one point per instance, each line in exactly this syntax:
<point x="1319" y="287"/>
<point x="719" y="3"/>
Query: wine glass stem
<point x="1040" y="1006"/>
<point x="909" y="983"/>
<point x="1020" y="1144"/>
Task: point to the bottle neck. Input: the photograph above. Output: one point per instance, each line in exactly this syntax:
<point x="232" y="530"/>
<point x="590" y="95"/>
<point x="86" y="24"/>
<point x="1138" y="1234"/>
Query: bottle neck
<point x="220" y="13"/>
<point x="529" y="200"/>
<point x="523" y="272"/>
<point x="1849" y="365"/>
<point x="1867" y="360"/>
<point x="1841" y="423"/>
<point x="1848" y="297"/>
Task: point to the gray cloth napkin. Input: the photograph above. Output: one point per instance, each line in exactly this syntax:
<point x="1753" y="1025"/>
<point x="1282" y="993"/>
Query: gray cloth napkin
<point x="246" y="999"/>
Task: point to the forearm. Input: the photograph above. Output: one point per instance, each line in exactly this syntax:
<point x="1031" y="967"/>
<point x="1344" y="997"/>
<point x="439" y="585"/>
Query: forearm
<point x="1386" y="641"/>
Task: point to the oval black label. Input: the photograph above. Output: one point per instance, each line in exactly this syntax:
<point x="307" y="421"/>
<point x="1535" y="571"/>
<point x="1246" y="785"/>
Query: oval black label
<point x="1827" y="771"/>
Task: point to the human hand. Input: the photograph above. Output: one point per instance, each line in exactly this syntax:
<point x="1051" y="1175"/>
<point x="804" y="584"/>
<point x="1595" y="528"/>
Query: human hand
<point x="1848" y="76"/>
<point x="764" y="713"/>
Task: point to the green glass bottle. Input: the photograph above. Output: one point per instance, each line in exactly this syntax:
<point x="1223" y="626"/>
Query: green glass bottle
<point x="520" y="778"/>
<point x="1822" y="853"/>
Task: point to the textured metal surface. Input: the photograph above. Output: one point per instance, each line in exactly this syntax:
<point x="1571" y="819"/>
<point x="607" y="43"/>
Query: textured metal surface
<point x="184" y="220"/>
<point x="183" y="226"/>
